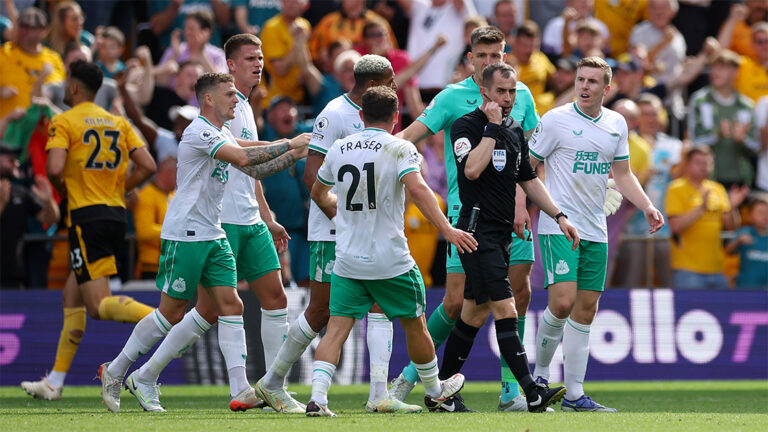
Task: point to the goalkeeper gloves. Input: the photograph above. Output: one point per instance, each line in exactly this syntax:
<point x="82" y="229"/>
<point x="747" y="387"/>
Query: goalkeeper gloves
<point x="612" y="198"/>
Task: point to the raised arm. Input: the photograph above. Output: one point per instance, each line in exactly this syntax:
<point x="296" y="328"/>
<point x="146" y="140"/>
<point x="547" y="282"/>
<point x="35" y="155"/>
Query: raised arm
<point x="144" y="168"/>
<point x="274" y="166"/>
<point x="161" y="21"/>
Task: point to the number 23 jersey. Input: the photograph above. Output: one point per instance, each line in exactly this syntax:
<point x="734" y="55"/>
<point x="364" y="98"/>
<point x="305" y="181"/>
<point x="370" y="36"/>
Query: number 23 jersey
<point x="367" y="169"/>
<point x="98" y="147"/>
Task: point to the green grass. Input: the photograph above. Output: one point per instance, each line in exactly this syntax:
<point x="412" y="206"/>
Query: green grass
<point x="658" y="406"/>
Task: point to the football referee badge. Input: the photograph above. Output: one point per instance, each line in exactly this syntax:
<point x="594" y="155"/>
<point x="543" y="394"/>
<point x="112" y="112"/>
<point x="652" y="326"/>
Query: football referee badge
<point x="499" y="159"/>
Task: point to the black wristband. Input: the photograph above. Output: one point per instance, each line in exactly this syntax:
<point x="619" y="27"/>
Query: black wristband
<point x="559" y="215"/>
<point x="492" y="131"/>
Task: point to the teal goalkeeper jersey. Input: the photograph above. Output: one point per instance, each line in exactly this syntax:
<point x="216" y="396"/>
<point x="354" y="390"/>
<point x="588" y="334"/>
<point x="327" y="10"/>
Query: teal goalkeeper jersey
<point x="457" y="100"/>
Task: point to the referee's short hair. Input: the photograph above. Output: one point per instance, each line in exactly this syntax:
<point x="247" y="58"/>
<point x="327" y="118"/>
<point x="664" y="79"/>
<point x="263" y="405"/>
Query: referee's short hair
<point x="371" y="67"/>
<point x="486" y="35"/>
<point x="489" y="72"/>
<point x="208" y="81"/>
<point x="379" y="104"/>
<point x="88" y="74"/>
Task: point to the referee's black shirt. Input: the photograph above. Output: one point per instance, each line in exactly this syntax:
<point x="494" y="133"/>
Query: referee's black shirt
<point x="494" y="189"/>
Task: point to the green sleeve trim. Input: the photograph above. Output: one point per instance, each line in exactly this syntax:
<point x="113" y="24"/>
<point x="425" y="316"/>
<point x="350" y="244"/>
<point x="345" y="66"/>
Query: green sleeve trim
<point x="535" y="155"/>
<point x="217" y="147"/>
<point x="620" y="158"/>
<point x="406" y="171"/>
<point x="319" y="149"/>
<point x="324" y="181"/>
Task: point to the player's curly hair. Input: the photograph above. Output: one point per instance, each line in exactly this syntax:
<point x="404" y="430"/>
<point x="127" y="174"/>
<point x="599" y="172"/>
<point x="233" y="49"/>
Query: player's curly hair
<point x="371" y="67"/>
<point x="88" y="74"/>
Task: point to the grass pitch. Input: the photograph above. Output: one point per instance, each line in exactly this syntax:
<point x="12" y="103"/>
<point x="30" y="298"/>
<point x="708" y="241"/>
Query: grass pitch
<point x="658" y="406"/>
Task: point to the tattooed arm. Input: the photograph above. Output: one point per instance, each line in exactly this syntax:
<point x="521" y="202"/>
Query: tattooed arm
<point x="266" y="169"/>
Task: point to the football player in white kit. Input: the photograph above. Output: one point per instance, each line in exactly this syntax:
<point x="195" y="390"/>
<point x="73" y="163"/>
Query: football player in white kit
<point x="580" y="144"/>
<point x="194" y="246"/>
<point x="372" y="169"/>
<point x="339" y="119"/>
<point x="246" y="219"/>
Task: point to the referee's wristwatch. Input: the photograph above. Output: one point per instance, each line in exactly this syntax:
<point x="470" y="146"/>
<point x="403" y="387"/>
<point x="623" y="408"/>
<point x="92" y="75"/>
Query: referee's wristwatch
<point x="559" y="215"/>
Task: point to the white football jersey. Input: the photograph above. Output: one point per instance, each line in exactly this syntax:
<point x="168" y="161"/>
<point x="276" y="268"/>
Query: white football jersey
<point x="340" y="118"/>
<point x="194" y="211"/>
<point x="366" y="169"/>
<point x="578" y="152"/>
<point x="240" y="206"/>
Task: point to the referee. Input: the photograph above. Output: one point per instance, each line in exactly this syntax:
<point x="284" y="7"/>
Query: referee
<point x="491" y="156"/>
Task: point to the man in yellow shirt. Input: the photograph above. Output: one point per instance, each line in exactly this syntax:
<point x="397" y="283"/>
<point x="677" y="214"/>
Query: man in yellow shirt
<point x="752" y="80"/>
<point x="279" y="59"/>
<point x="534" y="68"/>
<point x="149" y="213"/>
<point x="698" y="210"/>
<point x="22" y="61"/>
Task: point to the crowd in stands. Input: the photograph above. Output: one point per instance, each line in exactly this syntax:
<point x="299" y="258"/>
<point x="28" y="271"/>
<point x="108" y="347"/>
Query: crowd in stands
<point x="690" y="77"/>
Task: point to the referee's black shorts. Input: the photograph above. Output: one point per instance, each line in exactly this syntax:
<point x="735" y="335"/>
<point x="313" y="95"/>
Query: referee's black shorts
<point x="486" y="269"/>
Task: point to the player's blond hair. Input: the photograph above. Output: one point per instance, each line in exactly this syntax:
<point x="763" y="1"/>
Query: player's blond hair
<point x="597" y="63"/>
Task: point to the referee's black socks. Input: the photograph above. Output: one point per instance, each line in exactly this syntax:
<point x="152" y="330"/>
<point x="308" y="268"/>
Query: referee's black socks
<point x="457" y="348"/>
<point x="511" y="349"/>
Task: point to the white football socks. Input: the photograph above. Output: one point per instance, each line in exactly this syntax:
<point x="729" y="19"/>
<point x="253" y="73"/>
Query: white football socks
<point x="322" y="374"/>
<point x="233" y="347"/>
<point x="428" y="375"/>
<point x="547" y="338"/>
<point x="576" y="354"/>
<point x="274" y="329"/>
<point x="300" y="335"/>
<point x="379" y="340"/>
<point x="145" y="335"/>
<point x="182" y="336"/>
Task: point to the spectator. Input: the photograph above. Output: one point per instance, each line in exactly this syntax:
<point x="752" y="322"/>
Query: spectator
<point x="17" y="203"/>
<point x="169" y="15"/>
<point x="164" y="98"/>
<point x="429" y="20"/>
<point x="250" y="15"/>
<point x="110" y="49"/>
<point x="722" y="118"/>
<point x="279" y="56"/>
<point x="347" y="24"/>
<point x="559" y="28"/>
<point x="751" y="244"/>
<point x="620" y="17"/>
<point x="628" y="80"/>
<point x="736" y="33"/>
<point x="376" y="41"/>
<point x="505" y="16"/>
<point x="198" y="27"/>
<point x="666" y="50"/>
<point x="23" y="61"/>
<point x="665" y="154"/>
<point x="67" y="26"/>
<point x="752" y="80"/>
<point x="586" y="41"/>
<point x="761" y="123"/>
<point x="562" y="81"/>
<point x="699" y="209"/>
<point x="8" y="21"/>
<point x="285" y="191"/>
<point x="106" y="94"/>
<point x="533" y="67"/>
<point x="434" y="161"/>
<point x="149" y="213"/>
<point x="546" y="10"/>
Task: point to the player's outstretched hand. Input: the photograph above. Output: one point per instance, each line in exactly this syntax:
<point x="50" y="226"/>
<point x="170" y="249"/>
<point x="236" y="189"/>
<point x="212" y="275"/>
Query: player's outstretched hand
<point x="463" y="240"/>
<point x="300" y="141"/>
<point x="570" y="231"/>
<point x="655" y="219"/>
<point x="613" y="198"/>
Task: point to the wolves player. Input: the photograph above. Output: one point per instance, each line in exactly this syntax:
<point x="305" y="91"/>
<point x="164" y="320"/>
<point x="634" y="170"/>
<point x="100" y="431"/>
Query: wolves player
<point x="372" y="169"/>
<point x="580" y="143"/>
<point x="340" y="118"/>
